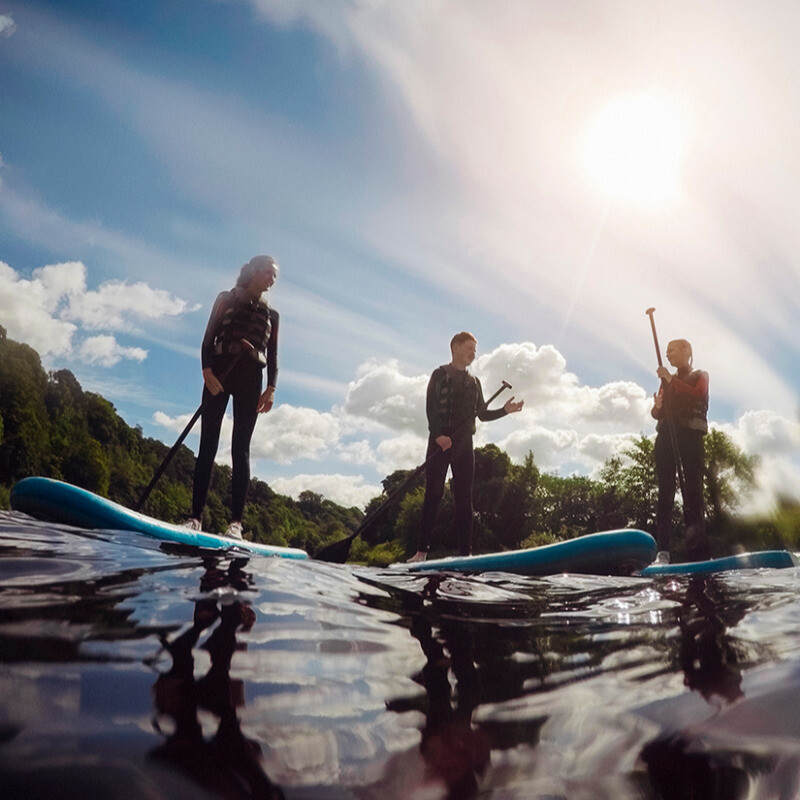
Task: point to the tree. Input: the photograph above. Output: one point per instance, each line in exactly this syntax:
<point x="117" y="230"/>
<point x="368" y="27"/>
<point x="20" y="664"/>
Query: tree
<point x="729" y="476"/>
<point x="630" y="479"/>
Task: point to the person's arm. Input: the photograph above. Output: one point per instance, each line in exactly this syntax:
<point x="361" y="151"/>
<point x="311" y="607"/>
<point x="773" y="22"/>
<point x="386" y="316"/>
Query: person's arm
<point x="433" y="409"/>
<point x="658" y="403"/>
<point x="220" y="306"/>
<point x="210" y="380"/>
<point x="267" y="399"/>
<point x="485" y="414"/>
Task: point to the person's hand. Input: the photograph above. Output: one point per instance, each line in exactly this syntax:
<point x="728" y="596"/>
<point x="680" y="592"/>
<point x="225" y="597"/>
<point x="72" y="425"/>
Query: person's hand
<point x="664" y="374"/>
<point x="445" y="442"/>
<point x="266" y="400"/>
<point x="211" y="381"/>
<point x="658" y="401"/>
<point x="511" y="407"/>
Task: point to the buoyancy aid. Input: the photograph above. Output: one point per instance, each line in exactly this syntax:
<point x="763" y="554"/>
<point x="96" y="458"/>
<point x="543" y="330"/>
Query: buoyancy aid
<point x="458" y="394"/>
<point x="244" y="319"/>
<point x="685" y="409"/>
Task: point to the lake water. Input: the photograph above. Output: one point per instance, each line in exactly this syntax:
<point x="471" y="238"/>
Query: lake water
<point x="130" y="672"/>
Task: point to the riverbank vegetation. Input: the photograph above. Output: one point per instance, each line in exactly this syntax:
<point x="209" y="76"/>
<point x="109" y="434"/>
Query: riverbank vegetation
<point x="50" y="426"/>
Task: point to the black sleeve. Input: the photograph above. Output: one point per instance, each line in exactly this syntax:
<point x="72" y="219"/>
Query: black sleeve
<point x="482" y="412"/>
<point x="221" y="305"/>
<point x="272" y="349"/>
<point x="432" y="408"/>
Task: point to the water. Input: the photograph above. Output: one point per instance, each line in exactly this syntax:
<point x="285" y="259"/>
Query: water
<point x="131" y="672"/>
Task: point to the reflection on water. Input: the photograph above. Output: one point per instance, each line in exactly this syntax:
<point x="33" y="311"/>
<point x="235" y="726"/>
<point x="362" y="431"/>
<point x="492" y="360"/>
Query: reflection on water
<point x="131" y="672"/>
<point x="227" y="762"/>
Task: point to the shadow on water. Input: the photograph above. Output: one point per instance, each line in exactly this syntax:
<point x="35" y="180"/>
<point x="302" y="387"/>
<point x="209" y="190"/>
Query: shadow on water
<point x="129" y="672"/>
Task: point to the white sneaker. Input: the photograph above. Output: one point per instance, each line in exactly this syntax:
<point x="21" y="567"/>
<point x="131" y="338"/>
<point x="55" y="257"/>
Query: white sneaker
<point x="192" y="524"/>
<point x="234" y="530"/>
<point x="662" y="557"/>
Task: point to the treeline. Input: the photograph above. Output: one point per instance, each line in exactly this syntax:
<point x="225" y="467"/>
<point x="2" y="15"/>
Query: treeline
<point x="50" y="426"/>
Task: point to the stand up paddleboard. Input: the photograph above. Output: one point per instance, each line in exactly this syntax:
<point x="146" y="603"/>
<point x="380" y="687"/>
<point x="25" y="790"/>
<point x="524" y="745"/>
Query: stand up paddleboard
<point x="766" y="559"/>
<point x="62" y="502"/>
<point x="619" y="552"/>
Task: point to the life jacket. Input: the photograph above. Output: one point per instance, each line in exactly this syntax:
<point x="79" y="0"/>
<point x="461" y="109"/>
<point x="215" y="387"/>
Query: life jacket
<point x="249" y="320"/>
<point x="458" y="396"/>
<point x="686" y="410"/>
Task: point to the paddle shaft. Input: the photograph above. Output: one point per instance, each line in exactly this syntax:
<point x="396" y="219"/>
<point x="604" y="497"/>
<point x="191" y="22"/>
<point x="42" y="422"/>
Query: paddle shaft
<point x="373" y="515"/>
<point x="171" y="454"/>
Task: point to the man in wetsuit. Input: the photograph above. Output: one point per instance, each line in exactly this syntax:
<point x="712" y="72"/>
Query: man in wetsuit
<point x="241" y="339"/>
<point x="454" y="400"/>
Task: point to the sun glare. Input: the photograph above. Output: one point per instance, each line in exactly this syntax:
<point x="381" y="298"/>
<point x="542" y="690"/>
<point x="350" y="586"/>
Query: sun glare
<point x="633" y="150"/>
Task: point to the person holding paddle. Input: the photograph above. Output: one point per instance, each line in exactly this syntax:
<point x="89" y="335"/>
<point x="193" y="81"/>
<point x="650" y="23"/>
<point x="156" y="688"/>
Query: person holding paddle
<point x="681" y="408"/>
<point x="241" y="339"/>
<point x="454" y="399"/>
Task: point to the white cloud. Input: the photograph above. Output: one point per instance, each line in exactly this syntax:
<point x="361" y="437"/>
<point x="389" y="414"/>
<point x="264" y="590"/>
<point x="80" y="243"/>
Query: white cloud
<point x="53" y="309"/>
<point x="106" y="351"/>
<point x="119" y="305"/>
<point x="289" y="433"/>
<point x="7" y="25"/>
<point x="768" y="433"/>
<point x="775" y="441"/>
<point x="550" y="448"/>
<point x="346" y="490"/>
<point x="383" y="394"/>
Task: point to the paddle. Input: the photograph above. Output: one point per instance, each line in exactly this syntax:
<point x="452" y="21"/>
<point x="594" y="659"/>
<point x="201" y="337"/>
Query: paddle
<point x="162" y="467"/>
<point x="668" y="412"/>
<point x="338" y="552"/>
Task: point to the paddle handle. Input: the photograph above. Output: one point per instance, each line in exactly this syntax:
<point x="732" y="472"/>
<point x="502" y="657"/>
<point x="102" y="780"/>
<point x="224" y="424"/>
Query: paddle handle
<point x="650" y="312"/>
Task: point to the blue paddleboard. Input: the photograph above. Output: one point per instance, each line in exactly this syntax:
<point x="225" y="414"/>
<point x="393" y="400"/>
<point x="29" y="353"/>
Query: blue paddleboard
<point x="766" y="559"/>
<point x="619" y="552"/>
<point x="62" y="502"/>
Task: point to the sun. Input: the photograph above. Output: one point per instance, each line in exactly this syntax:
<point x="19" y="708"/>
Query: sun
<point x="634" y="149"/>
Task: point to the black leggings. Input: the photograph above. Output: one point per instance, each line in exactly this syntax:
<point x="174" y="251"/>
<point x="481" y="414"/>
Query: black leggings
<point x="461" y="458"/>
<point x="690" y="450"/>
<point x="244" y="385"/>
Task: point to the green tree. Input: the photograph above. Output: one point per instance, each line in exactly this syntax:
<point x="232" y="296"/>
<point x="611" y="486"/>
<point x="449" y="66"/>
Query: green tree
<point x="629" y="482"/>
<point x="729" y="476"/>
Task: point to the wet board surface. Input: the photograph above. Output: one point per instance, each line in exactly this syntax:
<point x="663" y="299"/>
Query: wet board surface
<point x="766" y="559"/>
<point x="62" y="502"/>
<point x="618" y="552"/>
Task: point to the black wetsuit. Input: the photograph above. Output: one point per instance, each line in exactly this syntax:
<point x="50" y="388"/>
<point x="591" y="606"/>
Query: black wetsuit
<point x="684" y="410"/>
<point x="454" y="399"/>
<point x="234" y="317"/>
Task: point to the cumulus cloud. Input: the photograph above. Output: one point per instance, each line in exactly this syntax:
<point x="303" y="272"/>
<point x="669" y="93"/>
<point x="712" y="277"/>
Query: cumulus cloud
<point x="7" y="25"/>
<point x="775" y="441"/>
<point x="290" y="433"/>
<point x="53" y="309"/>
<point x="118" y="305"/>
<point x="383" y="394"/>
<point x="346" y="490"/>
<point x="106" y="351"/>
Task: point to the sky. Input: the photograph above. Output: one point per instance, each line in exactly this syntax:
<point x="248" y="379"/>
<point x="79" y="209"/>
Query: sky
<point x="537" y="173"/>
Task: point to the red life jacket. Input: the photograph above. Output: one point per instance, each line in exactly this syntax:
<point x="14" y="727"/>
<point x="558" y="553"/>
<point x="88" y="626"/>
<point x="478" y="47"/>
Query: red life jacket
<point x="685" y="409"/>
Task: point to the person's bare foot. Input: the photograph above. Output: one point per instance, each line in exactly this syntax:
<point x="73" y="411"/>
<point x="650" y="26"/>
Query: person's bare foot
<point x="420" y="555"/>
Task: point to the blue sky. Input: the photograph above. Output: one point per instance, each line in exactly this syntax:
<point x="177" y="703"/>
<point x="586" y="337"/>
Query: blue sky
<point x="538" y="173"/>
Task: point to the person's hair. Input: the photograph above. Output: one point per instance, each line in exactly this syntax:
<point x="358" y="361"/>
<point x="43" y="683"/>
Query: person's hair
<point x="686" y="345"/>
<point x="254" y="266"/>
<point x="460" y="338"/>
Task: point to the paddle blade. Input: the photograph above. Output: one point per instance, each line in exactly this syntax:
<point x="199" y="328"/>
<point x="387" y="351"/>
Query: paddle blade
<point x="336" y="553"/>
